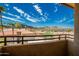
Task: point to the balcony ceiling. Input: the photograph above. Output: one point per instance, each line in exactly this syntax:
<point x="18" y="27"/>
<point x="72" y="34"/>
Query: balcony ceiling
<point x="71" y="5"/>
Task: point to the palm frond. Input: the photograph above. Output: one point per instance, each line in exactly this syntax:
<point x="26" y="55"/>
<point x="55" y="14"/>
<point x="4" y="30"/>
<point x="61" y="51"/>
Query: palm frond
<point x="2" y="8"/>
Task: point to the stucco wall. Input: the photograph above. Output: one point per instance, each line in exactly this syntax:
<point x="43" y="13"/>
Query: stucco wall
<point x="54" y="48"/>
<point x="71" y="49"/>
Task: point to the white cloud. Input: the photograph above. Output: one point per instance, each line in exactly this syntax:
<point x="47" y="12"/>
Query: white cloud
<point x="33" y="3"/>
<point x="10" y="14"/>
<point x="6" y="4"/>
<point x="22" y="13"/>
<point x="13" y="19"/>
<point x="56" y="9"/>
<point x="71" y="20"/>
<point x="27" y="16"/>
<point x="58" y="4"/>
<point x="46" y="16"/>
<point x="13" y="15"/>
<point x="8" y="8"/>
<point x="43" y="19"/>
<point x="31" y="19"/>
<point x="61" y="21"/>
<point x="38" y="9"/>
<point x="19" y="10"/>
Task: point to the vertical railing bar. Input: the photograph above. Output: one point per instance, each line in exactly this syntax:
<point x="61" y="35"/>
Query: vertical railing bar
<point x="22" y="40"/>
<point x="51" y="36"/>
<point x="13" y="40"/>
<point x="5" y="41"/>
<point x="65" y="36"/>
<point x="59" y="37"/>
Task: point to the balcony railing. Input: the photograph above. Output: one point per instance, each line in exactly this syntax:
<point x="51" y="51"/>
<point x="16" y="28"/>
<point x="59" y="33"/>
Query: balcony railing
<point x="21" y="39"/>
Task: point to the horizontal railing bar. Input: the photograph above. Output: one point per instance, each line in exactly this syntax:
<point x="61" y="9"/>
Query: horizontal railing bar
<point x="71" y="35"/>
<point x="70" y="38"/>
<point x="30" y="40"/>
<point x="1" y="41"/>
<point x="35" y="35"/>
<point x="34" y="39"/>
<point x="45" y="37"/>
<point x="41" y="39"/>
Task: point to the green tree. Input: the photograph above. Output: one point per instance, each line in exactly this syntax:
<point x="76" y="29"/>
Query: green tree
<point x="69" y="30"/>
<point x="2" y="9"/>
<point x="18" y="25"/>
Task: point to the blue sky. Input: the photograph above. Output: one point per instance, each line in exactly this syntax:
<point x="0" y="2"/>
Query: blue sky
<point x="38" y="14"/>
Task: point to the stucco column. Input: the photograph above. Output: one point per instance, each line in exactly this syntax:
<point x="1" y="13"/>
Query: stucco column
<point x="76" y="30"/>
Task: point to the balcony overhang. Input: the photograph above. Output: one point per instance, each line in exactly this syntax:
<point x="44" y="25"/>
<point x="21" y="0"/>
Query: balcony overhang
<point x="71" y="5"/>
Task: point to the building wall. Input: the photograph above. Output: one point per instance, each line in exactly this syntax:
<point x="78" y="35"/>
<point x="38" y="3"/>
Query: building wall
<point x="71" y="48"/>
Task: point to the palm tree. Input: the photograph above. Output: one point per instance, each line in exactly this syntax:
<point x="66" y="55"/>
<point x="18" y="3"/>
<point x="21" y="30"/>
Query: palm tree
<point x="12" y="26"/>
<point x="1" y="10"/>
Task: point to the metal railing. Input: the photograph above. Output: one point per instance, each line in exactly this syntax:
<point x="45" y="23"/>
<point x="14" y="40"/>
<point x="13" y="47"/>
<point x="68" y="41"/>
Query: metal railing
<point x="20" y="39"/>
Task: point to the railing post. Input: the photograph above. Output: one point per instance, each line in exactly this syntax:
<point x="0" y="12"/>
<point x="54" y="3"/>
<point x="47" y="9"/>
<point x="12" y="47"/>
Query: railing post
<point x="59" y="37"/>
<point x="65" y="36"/>
<point x="22" y="40"/>
<point x="5" y="41"/>
<point x="18" y="38"/>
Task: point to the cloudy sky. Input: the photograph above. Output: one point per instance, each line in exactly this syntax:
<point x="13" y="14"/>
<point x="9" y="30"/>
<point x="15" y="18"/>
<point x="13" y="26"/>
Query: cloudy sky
<point x="38" y="15"/>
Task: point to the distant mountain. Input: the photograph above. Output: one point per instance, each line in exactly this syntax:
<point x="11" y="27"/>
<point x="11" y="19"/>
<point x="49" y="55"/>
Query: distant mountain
<point x="48" y="28"/>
